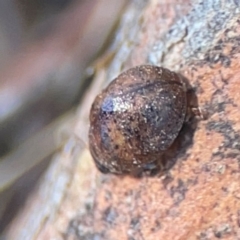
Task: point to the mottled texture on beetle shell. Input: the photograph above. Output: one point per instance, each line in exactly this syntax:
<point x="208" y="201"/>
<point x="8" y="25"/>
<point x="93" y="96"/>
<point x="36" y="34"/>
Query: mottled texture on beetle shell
<point x="136" y="119"/>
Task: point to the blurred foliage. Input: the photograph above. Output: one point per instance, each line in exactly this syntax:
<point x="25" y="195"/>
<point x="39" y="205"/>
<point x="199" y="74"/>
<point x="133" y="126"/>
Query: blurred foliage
<point x="38" y="10"/>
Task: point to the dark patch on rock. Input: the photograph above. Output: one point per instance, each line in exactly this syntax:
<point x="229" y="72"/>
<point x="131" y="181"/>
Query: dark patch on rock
<point x="178" y="192"/>
<point x="110" y="215"/>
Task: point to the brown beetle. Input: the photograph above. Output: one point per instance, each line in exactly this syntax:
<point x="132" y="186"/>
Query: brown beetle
<point x="136" y="119"/>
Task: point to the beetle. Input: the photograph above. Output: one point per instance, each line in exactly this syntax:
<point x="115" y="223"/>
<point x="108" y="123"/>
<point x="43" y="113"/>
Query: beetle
<point x="136" y="118"/>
